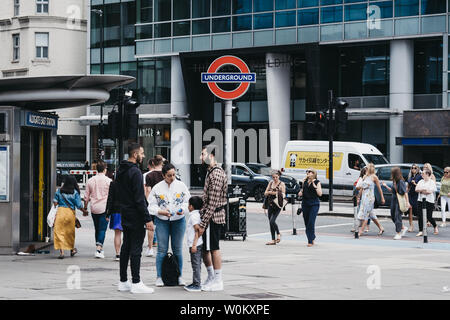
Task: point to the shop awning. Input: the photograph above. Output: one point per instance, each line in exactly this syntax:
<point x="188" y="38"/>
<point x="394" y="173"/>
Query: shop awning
<point x="157" y="118"/>
<point x="423" y="141"/>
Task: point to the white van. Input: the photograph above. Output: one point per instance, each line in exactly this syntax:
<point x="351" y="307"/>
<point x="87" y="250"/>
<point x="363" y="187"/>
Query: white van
<point x="349" y="158"/>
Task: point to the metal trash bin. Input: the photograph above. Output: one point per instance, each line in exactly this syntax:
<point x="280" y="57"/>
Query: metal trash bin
<point x="236" y="214"/>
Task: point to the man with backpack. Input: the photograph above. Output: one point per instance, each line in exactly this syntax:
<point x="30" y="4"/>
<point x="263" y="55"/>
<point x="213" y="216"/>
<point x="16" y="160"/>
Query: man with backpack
<point x="135" y="216"/>
<point x="212" y="219"/>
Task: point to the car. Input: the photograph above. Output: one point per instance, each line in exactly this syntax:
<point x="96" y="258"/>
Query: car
<point x="292" y="186"/>
<point x="256" y="184"/>
<point x="383" y="172"/>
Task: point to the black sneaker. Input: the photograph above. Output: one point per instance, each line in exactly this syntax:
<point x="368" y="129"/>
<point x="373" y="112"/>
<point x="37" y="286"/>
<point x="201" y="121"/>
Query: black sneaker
<point x="193" y="288"/>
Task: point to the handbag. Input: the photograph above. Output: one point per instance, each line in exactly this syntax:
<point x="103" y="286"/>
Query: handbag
<point x="51" y="216"/>
<point x="402" y="200"/>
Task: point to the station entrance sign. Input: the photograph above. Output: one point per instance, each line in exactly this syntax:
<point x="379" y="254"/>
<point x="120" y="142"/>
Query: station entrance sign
<point x="212" y="77"/>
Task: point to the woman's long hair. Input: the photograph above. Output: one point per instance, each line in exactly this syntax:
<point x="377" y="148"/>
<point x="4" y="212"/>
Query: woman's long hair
<point x="396" y="174"/>
<point x="70" y="185"/>
<point x="370" y="169"/>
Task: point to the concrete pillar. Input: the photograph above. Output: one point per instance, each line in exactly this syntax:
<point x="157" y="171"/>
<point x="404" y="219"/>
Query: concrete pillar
<point x="445" y="71"/>
<point x="401" y="92"/>
<point x="180" y="139"/>
<point x="278" y="77"/>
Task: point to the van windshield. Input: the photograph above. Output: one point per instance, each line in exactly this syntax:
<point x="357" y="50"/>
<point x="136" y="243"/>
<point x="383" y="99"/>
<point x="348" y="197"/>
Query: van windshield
<point x="375" y="158"/>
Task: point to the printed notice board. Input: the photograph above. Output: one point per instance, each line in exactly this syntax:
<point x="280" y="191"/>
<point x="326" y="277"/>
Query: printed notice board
<point x="4" y="173"/>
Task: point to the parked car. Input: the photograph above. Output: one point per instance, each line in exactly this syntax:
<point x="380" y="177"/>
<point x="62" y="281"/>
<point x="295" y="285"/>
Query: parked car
<point x="292" y="186"/>
<point x="383" y="172"/>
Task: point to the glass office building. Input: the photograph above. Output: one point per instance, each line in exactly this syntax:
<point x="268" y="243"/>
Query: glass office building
<point x="386" y="58"/>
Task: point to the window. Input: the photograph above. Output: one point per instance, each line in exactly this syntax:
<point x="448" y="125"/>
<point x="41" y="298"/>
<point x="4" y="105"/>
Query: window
<point x="433" y="6"/>
<point x="307" y="3"/>
<point x="144" y="11"/>
<point x="200" y="26"/>
<point x="42" y="6"/>
<point x="221" y="7"/>
<point x="284" y="4"/>
<point x="242" y="6"/>
<point x="308" y="17"/>
<point x="16" y="47"/>
<point x="263" y="21"/>
<point x="285" y="19"/>
<point x="42" y="45"/>
<point x="181" y="28"/>
<point x="144" y="32"/>
<point x="241" y="23"/>
<point x="262" y="5"/>
<point x="328" y="2"/>
<point x="356" y="12"/>
<point x="162" y="30"/>
<point x="181" y="9"/>
<point x="162" y="10"/>
<point x="384" y="173"/>
<point x="331" y="14"/>
<point x="355" y="162"/>
<point x="428" y="67"/>
<point x="221" y="25"/>
<point x="200" y="8"/>
<point x="385" y="9"/>
<point x="16" y="7"/>
<point x="405" y="8"/>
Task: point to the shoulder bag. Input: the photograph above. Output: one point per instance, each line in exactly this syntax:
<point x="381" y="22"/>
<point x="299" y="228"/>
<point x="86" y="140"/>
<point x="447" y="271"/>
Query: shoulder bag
<point x="51" y="216"/>
<point x="402" y="200"/>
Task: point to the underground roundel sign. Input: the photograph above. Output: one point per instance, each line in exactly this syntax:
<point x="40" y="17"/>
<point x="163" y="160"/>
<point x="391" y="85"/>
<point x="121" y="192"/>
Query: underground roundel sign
<point x="212" y="77"/>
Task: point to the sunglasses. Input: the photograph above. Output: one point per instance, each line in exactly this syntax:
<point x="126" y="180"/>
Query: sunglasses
<point x="446" y="171"/>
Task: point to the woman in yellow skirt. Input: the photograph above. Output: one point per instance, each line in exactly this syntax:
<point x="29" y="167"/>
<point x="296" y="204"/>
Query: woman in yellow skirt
<point x="67" y="199"/>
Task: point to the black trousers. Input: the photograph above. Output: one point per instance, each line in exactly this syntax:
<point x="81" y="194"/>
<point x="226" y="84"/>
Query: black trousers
<point x="429" y="207"/>
<point x="131" y="250"/>
<point x="273" y="215"/>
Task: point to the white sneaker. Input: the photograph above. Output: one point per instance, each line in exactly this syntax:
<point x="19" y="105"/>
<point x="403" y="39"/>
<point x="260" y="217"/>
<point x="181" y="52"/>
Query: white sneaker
<point x="443" y="225"/>
<point x="149" y="252"/>
<point x="140" y="288"/>
<point x="216" y="286"/>
<point x="207" y="283"/>
<point x="404" y="230"/>
<point x="159" y="282"/>
<point x="419" y="234"/>
<point x="397" y="236"/>
<point x="181" y="282"/>
<point x="100" y="254"/>
<point x="124" y="286"/>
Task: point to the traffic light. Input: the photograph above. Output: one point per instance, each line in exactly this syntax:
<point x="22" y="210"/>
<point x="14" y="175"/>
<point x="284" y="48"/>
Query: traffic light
<point x="317" y="124"/>
<point x="113" y="128"/>
<point x="131" y="118"/>
<point x="341" y="115"/>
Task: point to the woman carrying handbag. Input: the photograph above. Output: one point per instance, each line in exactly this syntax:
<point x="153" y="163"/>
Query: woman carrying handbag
<point x="67" y="199"/>
<point x="399" y="203"/>
<point x="275" y="193"/>
<point x="311" y="191"/>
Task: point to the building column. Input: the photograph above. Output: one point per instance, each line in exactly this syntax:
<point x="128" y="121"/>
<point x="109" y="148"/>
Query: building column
<point x="445" y="71"/>
<point x="180" y="139"/>
<point x="278" y="77"/>
<point x="401" y="92"/>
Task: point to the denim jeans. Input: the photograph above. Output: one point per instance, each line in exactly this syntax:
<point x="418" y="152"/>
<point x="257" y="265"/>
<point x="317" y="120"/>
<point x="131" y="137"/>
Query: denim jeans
<point x="310" y="210"/>
<point x="100" y="225"/>
<point x="175" y="230"/>
<point x="196" y="261"/>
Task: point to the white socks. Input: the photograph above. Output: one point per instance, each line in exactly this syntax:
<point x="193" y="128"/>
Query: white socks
<point x="218" y="275"/>
<point x="210" y="270"/>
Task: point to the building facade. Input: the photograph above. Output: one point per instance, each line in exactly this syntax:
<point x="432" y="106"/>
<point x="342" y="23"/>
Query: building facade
<point x="48" y="38"/>
<point x="386" y="58"/>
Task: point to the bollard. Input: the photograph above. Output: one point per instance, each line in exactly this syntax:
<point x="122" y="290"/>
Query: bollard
<point x="294" y="229"/>
<point x="424" y="220"/>
<point x="355" y="220"/>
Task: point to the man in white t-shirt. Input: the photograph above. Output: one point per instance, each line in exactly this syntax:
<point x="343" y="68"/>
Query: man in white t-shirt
<point x="195" y="242"/>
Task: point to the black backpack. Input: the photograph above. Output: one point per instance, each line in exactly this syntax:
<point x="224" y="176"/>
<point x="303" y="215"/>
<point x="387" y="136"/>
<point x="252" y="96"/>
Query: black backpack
<point x="170" y="270"/>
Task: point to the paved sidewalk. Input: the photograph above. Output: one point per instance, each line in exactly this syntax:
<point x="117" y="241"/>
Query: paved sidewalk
<point x="338" y="267"/>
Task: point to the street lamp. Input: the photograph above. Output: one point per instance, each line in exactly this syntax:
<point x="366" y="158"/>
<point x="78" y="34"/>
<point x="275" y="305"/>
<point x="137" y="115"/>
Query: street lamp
<point x="100" y="137"/>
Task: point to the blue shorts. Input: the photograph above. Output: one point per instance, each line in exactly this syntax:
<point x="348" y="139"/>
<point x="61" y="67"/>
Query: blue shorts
<point x="116" y="222"/>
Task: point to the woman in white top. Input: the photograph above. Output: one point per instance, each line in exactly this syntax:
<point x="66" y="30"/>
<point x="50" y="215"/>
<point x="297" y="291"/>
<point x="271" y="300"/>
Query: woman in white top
<point x="169" y="203"/>
<point x="426" y="189"/>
